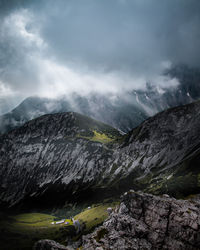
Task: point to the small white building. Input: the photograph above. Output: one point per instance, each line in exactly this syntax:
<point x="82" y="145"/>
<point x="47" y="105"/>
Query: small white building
<point x="60" y="222"/>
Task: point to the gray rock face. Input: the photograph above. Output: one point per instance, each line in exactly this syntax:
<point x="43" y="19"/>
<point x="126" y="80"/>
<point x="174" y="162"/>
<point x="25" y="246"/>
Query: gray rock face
<point x="51" y="153"/>
<point x="55" y="156"/>
<point x="49" y="245"/>
<point x="144" y="221"/>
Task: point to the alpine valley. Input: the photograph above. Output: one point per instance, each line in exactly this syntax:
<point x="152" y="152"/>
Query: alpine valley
<point x="67" y="156"/>
<point x="100" y="125"/>
<point x="67" y="159"/>
<point x="67" y="164"/>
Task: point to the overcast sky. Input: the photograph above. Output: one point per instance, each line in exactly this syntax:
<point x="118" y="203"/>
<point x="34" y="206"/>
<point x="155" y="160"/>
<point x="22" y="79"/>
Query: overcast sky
<point x="53" y="47"/>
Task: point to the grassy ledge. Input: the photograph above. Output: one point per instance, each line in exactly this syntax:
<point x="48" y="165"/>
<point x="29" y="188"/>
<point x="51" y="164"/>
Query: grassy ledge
<point x="98" y="137"/>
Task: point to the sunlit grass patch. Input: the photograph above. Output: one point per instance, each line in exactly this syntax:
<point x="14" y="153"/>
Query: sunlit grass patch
<point x="32" y="218"/>
<point x="23" y="230"/>
<point x="94" y="216"/>
<point x="98" y="137"/>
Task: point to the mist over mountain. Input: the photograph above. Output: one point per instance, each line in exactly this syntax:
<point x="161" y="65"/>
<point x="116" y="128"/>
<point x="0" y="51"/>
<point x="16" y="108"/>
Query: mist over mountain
<point x="97" y="98"/>
<point x="123" y="111"/>
<point x="59" y="48"/>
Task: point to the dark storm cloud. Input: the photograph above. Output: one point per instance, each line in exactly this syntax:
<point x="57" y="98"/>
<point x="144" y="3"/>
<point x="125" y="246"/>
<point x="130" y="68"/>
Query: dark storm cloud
<point x="50" y="47"/>
<point x="7" y="6"/>
<point x="133" y="35"/>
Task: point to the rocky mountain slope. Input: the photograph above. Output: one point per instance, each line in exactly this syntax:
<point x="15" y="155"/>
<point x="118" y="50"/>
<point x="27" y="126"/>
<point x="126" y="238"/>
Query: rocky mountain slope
<point x="54" y="154"/>
<point x="123" y="111"/>
<point x="144" y="221"/>
<point x="69" y="157"/>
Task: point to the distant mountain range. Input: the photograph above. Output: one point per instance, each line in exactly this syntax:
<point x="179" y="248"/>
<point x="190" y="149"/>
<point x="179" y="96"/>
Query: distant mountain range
<point x="123" y="112"/>
<point x="67" y="157"/>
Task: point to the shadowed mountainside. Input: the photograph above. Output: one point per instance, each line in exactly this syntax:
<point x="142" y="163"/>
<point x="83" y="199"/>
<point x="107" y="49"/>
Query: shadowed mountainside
<point x="68" y="156"/>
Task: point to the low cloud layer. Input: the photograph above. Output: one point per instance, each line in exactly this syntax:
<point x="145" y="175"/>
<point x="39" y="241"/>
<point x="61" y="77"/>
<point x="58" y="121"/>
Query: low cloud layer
<point x="51" y="48"/>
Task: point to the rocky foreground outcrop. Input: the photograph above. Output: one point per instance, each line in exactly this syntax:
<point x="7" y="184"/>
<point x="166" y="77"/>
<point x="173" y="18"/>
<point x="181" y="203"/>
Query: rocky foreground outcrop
<point x="49" y="245"/>
<point x="144" y="221"/>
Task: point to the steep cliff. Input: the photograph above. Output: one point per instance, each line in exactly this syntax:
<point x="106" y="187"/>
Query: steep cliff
<point x="54" y="157"/>
<point x="67" y="157"/>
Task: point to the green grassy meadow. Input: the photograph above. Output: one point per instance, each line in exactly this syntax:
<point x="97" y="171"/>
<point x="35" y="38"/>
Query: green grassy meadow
<point x="21" y="231"/>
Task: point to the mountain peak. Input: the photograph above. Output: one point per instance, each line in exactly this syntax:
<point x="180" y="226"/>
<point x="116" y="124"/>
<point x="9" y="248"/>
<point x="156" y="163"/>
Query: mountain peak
<point x="70" y="156"/>
<point x="66" y="124"/>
